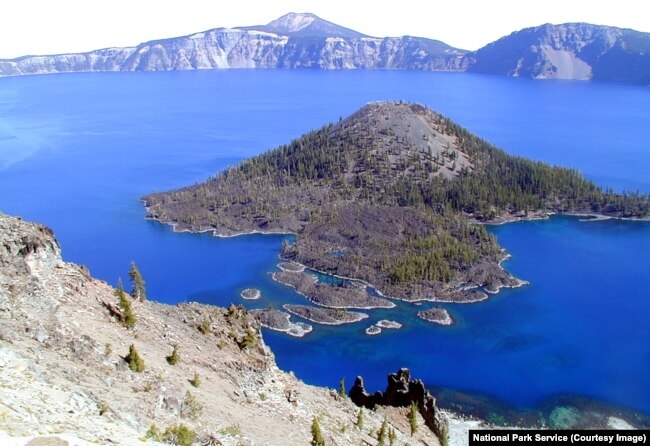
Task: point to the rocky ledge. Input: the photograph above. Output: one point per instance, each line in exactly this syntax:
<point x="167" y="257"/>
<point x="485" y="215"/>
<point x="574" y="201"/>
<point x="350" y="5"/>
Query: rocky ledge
<point x="402" y="391"/>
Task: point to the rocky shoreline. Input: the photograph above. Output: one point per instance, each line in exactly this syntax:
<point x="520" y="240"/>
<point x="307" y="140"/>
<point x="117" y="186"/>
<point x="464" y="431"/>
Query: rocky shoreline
<point x="325" y="316"/>
<point x="331" y="296"/>
<point x="280" y="321"/>
<point x="291" y="267"/>
<point x="436" y="315"/>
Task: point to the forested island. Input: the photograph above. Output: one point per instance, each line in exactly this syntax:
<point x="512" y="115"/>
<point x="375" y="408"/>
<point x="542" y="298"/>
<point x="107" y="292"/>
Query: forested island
<point x="390" y="196"/>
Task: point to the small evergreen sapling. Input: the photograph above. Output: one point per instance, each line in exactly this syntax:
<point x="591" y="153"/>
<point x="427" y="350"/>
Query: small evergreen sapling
<point x="196" y="380"/>
<point x="138" y="289"/>
<point x="342" y="393"/>
<point x="136" y="363"/>
<point x="359" y="422"/>
<point x="381" y="435"/>
<point x="174" y="357"/>
<point x="124" y="304"/>
<point x="316" y="434"/>
<point x="392" y="436"/>
<point x="413" y="417"/>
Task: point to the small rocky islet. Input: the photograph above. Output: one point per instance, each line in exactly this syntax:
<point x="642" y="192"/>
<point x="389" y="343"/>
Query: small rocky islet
<point x="251" y="294"/>
<point x="436" y="315"/>
<point x="377" y="328"/>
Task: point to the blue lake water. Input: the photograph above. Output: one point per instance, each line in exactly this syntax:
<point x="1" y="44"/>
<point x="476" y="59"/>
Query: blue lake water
<point x="77" y="151"/>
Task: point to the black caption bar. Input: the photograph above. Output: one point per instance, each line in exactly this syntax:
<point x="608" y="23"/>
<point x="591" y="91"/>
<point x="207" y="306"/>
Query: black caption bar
<point x="557" y="437"/>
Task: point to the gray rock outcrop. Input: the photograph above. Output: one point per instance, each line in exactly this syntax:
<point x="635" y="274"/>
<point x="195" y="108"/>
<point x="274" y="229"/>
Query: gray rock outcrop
<point x="402" y="391"/>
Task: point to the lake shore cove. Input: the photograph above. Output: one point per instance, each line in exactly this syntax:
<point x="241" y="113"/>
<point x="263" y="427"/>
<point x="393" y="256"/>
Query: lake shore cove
<point x="389" y="196"/>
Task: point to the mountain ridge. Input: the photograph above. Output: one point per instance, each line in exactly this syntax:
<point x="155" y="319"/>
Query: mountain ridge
<point x="578" y="51"/>
<point x="261" y="46"/>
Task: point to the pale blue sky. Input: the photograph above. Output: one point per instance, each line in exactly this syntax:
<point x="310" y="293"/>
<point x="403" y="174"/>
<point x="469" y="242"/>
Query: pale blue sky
<point x="46" y="26"/>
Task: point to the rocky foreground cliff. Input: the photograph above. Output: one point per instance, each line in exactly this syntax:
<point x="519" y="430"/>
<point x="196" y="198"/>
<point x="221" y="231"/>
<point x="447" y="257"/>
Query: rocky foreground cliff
<point x="568" y="51"/>
<point x="64" y="373"/>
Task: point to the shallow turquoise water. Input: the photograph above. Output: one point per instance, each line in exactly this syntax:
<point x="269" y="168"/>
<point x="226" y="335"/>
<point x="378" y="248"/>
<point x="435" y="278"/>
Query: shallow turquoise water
<point x="77" y="152"/>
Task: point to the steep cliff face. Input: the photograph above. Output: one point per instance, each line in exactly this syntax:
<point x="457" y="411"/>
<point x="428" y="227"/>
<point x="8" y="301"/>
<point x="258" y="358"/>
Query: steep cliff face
<point x="570" y="51"/>
<point x="63" y="371"/>
<point x="292" y="41"/>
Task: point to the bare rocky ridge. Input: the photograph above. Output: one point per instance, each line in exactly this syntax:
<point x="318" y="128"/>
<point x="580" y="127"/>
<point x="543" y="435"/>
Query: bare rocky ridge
<point x="63" y="373"/>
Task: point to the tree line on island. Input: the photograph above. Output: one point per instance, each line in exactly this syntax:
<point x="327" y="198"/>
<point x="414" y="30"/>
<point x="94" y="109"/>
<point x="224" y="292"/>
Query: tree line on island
<point x="498" y="182"/>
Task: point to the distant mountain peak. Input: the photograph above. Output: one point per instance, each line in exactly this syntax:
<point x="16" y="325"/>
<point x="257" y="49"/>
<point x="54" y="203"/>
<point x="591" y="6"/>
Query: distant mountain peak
<point x="306" y="24"/>
<point x="293" y="22"/>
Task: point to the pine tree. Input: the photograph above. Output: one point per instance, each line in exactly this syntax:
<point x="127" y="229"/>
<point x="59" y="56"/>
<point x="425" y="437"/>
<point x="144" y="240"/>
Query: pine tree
<point x="174" y="357"/>
<point x="359" y="422"/>
<point x="128" y="316"/>
<point x="342" y="393"/>
<point x="392" y="436"/>
<point x="381" y="435"/>
<point x="413" y="418"/>
<point x="136" y="363"/>
<point x="138" y="290"/>
<point x="250" y="339"/>
<point x="196" y="380"/>
<point x="316" y="434"/>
